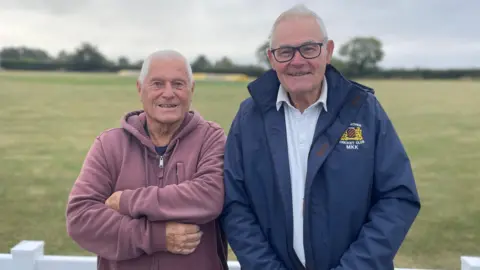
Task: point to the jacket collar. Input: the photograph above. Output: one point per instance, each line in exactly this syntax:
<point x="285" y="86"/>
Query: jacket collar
<point x="264" y="90"/>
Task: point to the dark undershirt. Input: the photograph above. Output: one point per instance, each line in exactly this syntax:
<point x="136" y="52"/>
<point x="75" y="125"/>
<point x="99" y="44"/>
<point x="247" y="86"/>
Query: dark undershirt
<point x="160" y="149"/>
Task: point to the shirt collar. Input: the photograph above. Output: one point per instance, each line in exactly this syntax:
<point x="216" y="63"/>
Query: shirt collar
<point x="282" y="97"/>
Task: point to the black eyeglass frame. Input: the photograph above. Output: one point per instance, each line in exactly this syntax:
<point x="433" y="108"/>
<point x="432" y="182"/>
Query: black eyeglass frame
<point x="298" y="48"/>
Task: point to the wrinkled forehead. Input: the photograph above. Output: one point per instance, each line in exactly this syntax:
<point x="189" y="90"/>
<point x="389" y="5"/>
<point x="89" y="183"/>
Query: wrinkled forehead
<point x="168" y="69"/>
<point x="295" y="31"/>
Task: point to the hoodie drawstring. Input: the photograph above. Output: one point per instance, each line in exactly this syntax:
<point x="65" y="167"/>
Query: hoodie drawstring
<point x="145" y="151"/>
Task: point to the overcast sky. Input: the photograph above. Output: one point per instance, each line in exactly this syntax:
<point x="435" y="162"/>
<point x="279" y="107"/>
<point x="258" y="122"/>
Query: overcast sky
<point x="415" y="33"/>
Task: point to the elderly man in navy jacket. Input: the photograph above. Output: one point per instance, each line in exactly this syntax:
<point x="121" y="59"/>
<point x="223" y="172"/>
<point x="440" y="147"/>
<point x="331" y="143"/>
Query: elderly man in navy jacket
<point x="316" y="176"/>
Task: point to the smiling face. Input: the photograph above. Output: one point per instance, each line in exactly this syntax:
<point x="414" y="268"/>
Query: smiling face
<point x="300" y="75"/>
<point x="166" y="92"/>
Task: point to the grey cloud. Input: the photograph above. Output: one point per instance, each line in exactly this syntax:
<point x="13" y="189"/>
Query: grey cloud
<point x="56" y="7"/>
<point x="414" y="33"/>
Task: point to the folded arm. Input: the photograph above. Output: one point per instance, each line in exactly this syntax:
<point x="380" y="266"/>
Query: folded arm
<point x="395" y="204"/>
<point x="98" y="228"/>
<point x="240" y="224"/>
<point x="198" y="200"/>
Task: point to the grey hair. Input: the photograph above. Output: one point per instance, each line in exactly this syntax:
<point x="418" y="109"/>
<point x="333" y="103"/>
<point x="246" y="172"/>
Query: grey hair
<point x="299" y="10"/>
<point x="164" y="54"/>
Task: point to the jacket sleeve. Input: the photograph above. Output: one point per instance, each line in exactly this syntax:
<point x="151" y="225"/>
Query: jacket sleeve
<point x="198" y="201"/>
<point x="238" y="219"/>
<point x="395" y="203"/>
<point x="100" y="229"/>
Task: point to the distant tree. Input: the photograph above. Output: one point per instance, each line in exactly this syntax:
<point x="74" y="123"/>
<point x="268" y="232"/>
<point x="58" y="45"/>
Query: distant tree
<point x="338" y="64"/>
<point x="362" y="54"/>
<point x="25" y="54"/>
<point x="224" y="62"/>
<point x="123" y="61"/>
<point x="34" y="54"/>
<point x="138" y="64"/>
<point x="10" y="53"/>
<point x="261" y="54"/>
<point x="63" y="57"/>
<point x="88" y="58"/>
<point x="201" y="63"/>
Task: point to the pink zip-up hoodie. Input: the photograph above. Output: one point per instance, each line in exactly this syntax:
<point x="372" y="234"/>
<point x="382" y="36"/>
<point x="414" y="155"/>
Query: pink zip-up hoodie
<point x="185" y="185"/>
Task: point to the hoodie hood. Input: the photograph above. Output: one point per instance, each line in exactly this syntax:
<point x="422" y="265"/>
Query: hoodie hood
<point x="134" y="123"/>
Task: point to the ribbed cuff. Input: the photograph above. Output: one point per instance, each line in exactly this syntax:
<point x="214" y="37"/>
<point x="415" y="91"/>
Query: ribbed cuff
<point x="159" y="236"/>
<point x="124" y="202"/>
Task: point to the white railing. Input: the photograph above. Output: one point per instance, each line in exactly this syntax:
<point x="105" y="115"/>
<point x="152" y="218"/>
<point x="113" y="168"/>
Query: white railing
<point x="28" y="255"/>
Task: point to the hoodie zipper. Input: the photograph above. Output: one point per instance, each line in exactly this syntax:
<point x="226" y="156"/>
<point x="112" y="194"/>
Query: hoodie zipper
<point x="160" y="163"/>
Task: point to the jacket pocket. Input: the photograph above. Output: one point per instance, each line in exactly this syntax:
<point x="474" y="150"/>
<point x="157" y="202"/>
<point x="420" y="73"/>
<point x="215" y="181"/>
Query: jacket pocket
<point x="180" y="172"/>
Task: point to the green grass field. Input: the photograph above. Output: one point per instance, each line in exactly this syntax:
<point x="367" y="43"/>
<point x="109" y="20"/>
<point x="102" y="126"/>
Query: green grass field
<point x="48" y="122"/>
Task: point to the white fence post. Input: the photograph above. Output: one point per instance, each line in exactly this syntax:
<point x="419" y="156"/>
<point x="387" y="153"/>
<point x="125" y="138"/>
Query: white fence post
<point x="470" y="263"/>
<point x="233" y="265"/>
<point x="29" y="255"/>
<point x="25" y="254"/>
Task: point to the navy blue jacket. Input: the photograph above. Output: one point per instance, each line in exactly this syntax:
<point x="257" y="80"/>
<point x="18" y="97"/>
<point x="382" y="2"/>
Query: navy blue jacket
<point x="360" y="195"/>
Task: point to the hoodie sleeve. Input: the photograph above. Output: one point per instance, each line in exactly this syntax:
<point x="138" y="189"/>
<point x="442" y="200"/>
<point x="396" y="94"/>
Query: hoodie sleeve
<point x="198" y="200"/>
<point x="100" y="229"/>
<point x="395" y="204"/>
<point x="238" y="219"/>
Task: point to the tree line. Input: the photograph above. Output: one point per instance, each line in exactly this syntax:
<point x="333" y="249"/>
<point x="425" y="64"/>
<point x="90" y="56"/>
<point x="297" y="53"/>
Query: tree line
<point x="358" y="57"/>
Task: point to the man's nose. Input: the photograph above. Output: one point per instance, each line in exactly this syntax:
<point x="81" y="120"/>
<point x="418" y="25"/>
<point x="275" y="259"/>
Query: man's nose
<point x="168" y="91"/>
<point x="297" y="59"/>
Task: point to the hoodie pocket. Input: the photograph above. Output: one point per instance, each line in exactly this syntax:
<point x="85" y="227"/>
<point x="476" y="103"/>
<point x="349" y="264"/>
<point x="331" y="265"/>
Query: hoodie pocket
<point x="180" y="172"/>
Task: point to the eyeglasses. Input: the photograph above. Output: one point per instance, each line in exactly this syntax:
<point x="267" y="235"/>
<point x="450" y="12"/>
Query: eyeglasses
<point x="307" y="51"/>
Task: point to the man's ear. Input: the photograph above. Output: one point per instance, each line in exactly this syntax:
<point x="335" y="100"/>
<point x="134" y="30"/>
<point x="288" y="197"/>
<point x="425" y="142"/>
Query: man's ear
<point x="330" y="48"/>
<point x="139" y="90"/>
<point x="271" y="59"/>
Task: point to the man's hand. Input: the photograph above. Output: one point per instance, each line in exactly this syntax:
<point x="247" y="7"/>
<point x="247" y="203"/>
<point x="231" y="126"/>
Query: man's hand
<point x="114" y="201"/>
<point x="182" y="238"/>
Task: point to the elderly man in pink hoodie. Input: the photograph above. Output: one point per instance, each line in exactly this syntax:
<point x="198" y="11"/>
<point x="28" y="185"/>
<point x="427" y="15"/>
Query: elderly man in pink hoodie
<point x="149" y="192"/>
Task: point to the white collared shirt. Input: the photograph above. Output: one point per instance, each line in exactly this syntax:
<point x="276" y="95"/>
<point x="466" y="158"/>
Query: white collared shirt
<point x="300" y="130"/>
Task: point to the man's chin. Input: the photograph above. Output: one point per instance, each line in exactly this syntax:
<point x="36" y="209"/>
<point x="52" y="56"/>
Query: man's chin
<point x="300" y="88"/>
<point x="298" y="83"/>
<point x="168" y="119"/>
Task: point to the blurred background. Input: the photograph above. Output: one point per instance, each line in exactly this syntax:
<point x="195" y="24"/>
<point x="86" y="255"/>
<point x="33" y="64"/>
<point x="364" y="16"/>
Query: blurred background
<point x="68" y="71"/>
